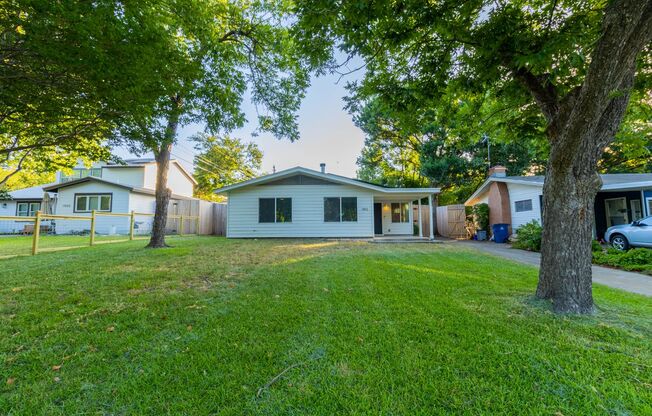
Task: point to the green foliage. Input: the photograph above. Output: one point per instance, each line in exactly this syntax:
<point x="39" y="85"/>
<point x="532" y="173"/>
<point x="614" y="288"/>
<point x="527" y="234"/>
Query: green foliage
<point x="391" y="154"/>
<point x="67" y="76"/>
<point x="26" y="178"/>
<point x="481" y="216"/>
<point x="213" y="52"/>
<point x="596" y="246"/>
<point x="636" y="259"/>
<point x="223" y="161"/>
<point x="529" y="236"/>
<point x="456" y="68"/>
<point x="160" y="332"/>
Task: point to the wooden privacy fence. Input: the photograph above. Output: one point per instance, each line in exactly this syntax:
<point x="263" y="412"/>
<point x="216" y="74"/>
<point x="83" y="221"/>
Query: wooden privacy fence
<point x="451" y="221"/>
<point x="180" y="223"/>
<point x="212" y="214"/>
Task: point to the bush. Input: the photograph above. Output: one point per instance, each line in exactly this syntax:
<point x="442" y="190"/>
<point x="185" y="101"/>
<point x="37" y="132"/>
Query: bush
<point x="638" y="259"/>
<point x="481" y="216"/>
<point x="596" y="246"/>
<point x="528" y="236"/>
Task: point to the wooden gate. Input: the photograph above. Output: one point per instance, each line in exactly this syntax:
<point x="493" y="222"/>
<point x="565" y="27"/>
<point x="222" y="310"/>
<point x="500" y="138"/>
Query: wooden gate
<point x="451" y="221"/>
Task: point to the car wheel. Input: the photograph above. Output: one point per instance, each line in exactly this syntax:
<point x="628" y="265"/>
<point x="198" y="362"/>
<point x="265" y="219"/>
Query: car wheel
<point x="619" y="242"/>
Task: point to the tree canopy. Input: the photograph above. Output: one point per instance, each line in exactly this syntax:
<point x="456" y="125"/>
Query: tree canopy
<point x="223" y="161"/>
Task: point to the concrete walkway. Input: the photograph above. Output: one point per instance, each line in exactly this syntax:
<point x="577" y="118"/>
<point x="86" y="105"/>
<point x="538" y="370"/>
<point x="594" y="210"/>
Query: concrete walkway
<point x="619" y="279"/>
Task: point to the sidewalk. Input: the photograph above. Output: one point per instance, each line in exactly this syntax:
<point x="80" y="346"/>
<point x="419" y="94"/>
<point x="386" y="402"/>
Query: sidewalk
<point x="619" y="279"/>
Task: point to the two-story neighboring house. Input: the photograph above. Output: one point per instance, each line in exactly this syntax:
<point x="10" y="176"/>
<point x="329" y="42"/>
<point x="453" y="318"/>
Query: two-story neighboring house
<point x="108" y="188"/>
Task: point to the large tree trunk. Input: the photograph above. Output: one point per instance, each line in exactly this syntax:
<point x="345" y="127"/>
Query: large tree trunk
<point x="568" y="199"/>
<point x="580" y="126"/>
<point x="163" y="193"/>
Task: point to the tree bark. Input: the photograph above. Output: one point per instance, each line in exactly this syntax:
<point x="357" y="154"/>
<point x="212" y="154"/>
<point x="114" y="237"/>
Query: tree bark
<point x="163" y="193"/>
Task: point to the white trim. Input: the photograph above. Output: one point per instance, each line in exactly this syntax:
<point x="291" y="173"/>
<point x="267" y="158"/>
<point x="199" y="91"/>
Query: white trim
<point x="420" y="220"/>
<point x="606" y="210"/>
<point x="430" y="220"/>
<point x="648" y="204"/>
<point x="324" y="176"/>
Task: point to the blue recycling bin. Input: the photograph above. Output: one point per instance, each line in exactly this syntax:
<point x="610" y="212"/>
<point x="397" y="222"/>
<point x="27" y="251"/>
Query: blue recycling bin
<point x="501" y="232"/>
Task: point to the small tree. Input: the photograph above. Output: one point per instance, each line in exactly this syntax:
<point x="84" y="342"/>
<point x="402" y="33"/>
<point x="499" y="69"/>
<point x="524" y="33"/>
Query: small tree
<point x="207" y="54"/>
<point x="223" y="161"/>
<point x="481" y="216"/>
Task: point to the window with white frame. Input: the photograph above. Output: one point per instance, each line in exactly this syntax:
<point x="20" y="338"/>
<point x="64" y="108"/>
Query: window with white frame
<point x="400" y="212"/>
<point x="90" y="202"/>
<point x="522" y="206"/>
<point x="27" y="209"/>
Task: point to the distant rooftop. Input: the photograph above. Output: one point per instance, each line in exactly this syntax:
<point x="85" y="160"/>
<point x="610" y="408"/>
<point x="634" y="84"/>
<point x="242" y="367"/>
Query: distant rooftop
<point x="609" y="179"/>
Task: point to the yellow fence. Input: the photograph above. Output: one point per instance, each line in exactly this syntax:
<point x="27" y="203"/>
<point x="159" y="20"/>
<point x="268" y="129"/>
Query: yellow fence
<point x="93" y="219"/>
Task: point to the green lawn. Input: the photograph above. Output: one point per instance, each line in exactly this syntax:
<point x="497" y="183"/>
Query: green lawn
<point x="361" y="329"/>
<point x="14" y="245"/>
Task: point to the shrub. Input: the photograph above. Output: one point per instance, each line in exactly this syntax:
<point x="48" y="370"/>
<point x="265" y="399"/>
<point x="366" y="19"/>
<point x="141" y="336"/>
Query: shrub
<point x="638" y="259"/>
<point x="529" y="236"/>
<point x="596" y="246"/>
<point x="481" y="216"/>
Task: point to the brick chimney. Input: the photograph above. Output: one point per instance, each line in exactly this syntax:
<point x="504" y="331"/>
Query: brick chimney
<point x="498" y="171"/>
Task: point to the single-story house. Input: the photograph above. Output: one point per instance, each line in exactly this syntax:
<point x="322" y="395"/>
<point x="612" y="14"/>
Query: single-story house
<point x="517" y="200"/>
<point x="301" y="202"/>
<point x="105" y="188"/>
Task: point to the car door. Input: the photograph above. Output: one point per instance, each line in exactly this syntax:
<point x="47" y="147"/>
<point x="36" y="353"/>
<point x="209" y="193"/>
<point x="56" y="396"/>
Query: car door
<point x="641" y="234"/>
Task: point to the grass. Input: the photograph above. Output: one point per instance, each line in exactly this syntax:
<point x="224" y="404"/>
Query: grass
<point x="359" y="328"/>
<point x="18" y="245"/>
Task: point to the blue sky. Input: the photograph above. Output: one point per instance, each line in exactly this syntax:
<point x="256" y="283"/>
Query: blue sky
<point x="327" y="133"/>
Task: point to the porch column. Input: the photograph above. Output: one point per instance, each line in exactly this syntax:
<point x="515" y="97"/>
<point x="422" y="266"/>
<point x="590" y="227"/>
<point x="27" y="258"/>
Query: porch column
<point x="430" y="220"/>
<point x="420" y="222"/>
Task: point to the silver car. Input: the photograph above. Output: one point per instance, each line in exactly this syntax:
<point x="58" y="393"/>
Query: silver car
<point x="636" y="234"/>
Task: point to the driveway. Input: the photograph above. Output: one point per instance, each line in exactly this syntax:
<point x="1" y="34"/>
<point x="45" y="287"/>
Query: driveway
<point x="619" y="279"/>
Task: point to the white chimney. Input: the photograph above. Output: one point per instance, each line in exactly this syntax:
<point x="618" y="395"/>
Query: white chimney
<point x="323" y="167"/>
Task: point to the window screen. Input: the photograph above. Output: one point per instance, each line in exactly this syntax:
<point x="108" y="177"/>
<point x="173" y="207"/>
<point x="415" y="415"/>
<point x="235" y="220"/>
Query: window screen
<point x="400" y="212"/>
<point x="522" y="206"/>
<point x="331" y="210"/>
<point x="283" y="209"/>
<point x="350" y="209"/>
<point x="266" y="210"/>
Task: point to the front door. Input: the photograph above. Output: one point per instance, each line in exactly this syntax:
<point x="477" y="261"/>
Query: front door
<point x="378" y="218"/>
<point x="616" y="210"/>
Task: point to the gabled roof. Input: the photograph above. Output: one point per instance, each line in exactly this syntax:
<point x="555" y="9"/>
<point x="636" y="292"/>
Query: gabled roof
<point x="137" y="163"/>
<point x="57" y="186"/>
<point x="324" y="176"/>
<point x="610" y="182"/>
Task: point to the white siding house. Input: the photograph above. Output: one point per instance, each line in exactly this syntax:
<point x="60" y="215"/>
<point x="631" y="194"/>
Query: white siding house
<point x="525" y="203"/>
<point x="622" y="198"/>
<point x="103" y="187"/>
<point x="301" y="202"/>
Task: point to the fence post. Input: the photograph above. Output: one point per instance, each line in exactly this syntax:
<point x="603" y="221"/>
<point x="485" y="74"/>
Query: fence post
<point x="197" y="225"/>
<point x="37" y="232"/>
<point x="131" y="225"/>
<point x="92" y="227"/>
<point x="181" y="225"/>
